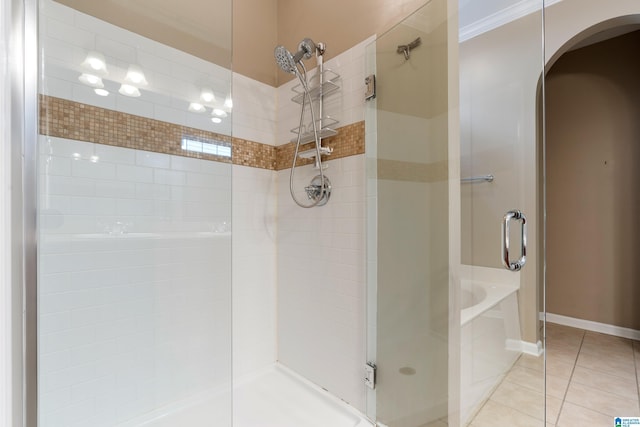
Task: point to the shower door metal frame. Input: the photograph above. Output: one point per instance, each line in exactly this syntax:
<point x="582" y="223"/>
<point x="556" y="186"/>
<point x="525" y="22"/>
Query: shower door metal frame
<point x="24" y="66"/>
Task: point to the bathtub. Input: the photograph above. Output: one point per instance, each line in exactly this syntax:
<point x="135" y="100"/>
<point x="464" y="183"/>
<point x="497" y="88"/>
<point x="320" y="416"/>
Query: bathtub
<point x="478" y="297"/>
<point x="489" y="335"/>
<point x="274" y="397"/>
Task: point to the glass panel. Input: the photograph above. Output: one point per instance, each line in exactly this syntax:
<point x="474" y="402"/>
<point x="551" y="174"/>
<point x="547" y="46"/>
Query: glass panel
<point x="456" y="337"/>
<point x="408" y="220"/>
<point x="500" y="69"/>
<point x="134" y="214"/>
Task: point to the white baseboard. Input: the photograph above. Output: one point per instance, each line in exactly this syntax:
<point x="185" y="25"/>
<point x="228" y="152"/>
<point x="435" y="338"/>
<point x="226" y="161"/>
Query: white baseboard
<point x="534" y="349"/>
<point x="589" y="325"/>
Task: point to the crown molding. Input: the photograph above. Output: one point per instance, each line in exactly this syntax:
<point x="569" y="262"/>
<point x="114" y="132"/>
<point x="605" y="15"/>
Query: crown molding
<point x="503" y="17"/>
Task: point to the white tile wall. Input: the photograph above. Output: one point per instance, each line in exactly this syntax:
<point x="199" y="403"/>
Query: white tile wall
<point x="254" y="269"/>
<point x="311" y="302"/>
<point x="135" y="288"/>
<point x="321" y="281"/>
<point x="321" y="251"/>
<point x="114" y="303"/>
<point x="175" y="77"/>
<point x="254" y="112"/>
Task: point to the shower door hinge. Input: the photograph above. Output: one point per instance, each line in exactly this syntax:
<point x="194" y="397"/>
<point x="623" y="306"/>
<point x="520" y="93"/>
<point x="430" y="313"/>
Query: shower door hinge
<point x="370" y="92"/>
<point x="370" y="375"/>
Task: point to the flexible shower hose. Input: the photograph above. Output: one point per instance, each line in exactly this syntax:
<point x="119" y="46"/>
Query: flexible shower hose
<point x="306" y="95"/>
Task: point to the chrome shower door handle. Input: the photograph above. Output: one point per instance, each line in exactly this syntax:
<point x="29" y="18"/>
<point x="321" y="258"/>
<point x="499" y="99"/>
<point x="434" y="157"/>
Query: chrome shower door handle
<point x="518" y="216"/>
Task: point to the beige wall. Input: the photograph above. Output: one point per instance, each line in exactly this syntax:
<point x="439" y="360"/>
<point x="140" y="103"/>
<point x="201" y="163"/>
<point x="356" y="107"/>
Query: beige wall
<point x="593" y="148"/>
<point x="338" y="23"/>
<point x="566" y="23"/>
<point x="255" y="35"/>
<point x="202" y="27"/>
<point x="570" y="21"/>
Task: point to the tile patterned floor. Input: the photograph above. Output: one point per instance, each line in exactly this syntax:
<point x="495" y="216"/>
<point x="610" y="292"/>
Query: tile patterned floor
<point x="591" y="378"/>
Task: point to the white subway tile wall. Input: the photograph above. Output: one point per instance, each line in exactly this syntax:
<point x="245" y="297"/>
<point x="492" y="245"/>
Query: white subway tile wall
<point x="321" y="280"/>
<point x="254" y="110"/>
<point x="320" y="334"/>
<point x="254" y="269"/>
<point x="175" y="78"/>
<point x="135" y="283"/>
<point x="113" y="302"/>
<point x="321" y="251"/>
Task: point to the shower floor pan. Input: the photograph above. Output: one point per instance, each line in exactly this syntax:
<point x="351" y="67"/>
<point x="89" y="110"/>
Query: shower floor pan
<point x="274" y="397"/>
<point x="278" y="397"/>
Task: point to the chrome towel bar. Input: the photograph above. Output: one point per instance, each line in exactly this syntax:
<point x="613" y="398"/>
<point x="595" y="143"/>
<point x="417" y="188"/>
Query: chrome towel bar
<point x="482" y="178"/>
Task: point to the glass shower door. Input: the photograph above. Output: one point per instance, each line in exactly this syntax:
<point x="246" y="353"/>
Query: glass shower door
<point x="408" y="221"/>
<point x="134" y="195"/>
<point x="454" y="261"/>
<point x="501" y="270"/>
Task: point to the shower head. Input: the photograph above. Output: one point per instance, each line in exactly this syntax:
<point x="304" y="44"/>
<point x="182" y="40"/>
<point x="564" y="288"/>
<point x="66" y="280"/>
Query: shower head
<point x="288" y="61"/>
<point x="285" y="60"/>
<point x="307" y="47"/>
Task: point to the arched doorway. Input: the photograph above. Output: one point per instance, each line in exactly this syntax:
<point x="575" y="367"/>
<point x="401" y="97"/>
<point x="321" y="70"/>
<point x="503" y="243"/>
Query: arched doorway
<point x="592" y="105"/>
<point x="592" y="132"/>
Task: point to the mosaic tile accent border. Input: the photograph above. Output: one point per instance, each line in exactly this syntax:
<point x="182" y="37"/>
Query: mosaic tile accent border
<point x="254" y="154"/>
<point x="73" y="120"/>
<point x="348" y="142"/>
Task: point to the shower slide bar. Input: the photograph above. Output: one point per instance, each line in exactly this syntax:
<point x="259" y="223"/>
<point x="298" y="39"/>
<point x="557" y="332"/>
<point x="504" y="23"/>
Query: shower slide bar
<point x="482" y="178"/>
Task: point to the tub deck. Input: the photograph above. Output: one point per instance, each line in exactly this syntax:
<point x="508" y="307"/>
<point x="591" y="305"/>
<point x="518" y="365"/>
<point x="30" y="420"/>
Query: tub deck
<point x="494" y="294"/>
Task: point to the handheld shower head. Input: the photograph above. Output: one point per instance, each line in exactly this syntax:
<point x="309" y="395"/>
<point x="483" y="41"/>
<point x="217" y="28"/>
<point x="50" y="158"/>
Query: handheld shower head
<point x="288" y="61"/>
<point x="285" y="59"/>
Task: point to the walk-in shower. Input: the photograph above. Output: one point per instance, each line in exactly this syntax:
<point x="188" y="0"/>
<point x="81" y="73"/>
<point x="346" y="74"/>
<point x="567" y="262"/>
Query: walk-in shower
<point x="152" y="310"/>
<point x="319" y="190"/>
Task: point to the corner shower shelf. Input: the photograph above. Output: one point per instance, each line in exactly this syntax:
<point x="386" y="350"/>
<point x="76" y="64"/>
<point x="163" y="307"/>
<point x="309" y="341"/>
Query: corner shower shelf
<point x="328" y="123"/>
<point x="310" y="137"/>
<point x="329" y="86"/>
<point x="311" y="154"/>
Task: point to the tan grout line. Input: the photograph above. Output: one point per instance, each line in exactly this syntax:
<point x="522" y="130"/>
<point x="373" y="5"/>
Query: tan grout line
<point x="503" y="380"/>
<point x="479" y="410"/>
<point x="570" y="380"/>
<point x="577" y="404"/>
<point x="575" y="362"/>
